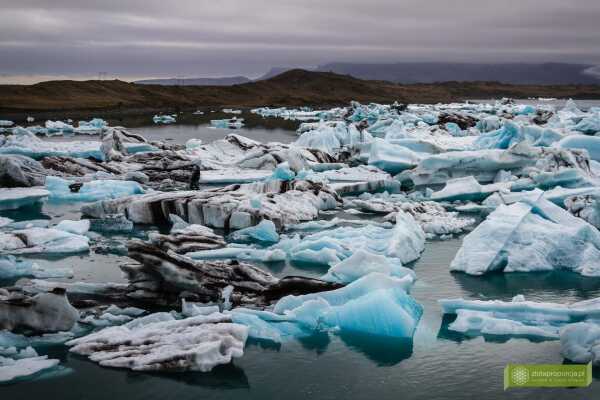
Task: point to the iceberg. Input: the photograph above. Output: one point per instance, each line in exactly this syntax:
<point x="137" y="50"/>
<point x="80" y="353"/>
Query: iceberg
<point x="42" y="240"/>
<point x="580" y="342"/>
<point x="392" y="158"/>
<point x="196" y="343"/>
<point x="405" y="242"/>
<point x="264" y="232"/>
<point x="375" y="304"/>
<point x="535" y="235"/>
<point x="12" y="268"/>
<point x="24" y="365"/>
<point x="77" y="227"/>
<point x="589" y="125"/>
<point x="518" y="317"/>
<point x="512" y="133"/>
<point x="589" y="143"/>
<point x="21" y="171"/>
<point x="44" y="312"/>
<point x="60" y="189"/>
<point x="14" y="198"/>
<point x="362" y="263"/>
<point x="163" y="119"/>
<point x="468" y="189"/>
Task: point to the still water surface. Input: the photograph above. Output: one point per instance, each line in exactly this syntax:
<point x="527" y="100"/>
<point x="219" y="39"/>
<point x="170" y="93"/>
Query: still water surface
<point x="436" y="364"/>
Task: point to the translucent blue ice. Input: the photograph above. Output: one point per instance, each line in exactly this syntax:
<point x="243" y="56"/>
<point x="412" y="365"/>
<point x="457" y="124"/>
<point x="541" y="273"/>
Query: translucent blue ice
<point x="91" y="191"/>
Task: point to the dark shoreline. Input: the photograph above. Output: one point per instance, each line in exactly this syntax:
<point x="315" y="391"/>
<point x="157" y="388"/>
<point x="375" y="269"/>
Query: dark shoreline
<point x="82" y="99"/>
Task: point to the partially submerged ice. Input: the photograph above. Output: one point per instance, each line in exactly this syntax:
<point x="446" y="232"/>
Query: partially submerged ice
<point x="196" y="343"/>
<point x="376" y="304"/>
<point x="530" y="236"/>
<point x="519" y="317"/>
<point x="42" y="240"/>
<point x="44" y="312"/>
<point x="14" y="198"/>
<point x="63" y="190"/>
<point x="405" y="242"/>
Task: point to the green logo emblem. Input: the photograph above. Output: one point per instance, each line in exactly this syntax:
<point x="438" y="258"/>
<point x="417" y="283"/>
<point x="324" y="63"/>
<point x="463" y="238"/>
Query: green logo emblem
<point x="547" y="375"/>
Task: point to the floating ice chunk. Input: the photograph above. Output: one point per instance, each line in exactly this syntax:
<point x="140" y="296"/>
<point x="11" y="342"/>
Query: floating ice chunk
<point x="362" y="263"/>
<point x="533" y="236"/>
<point x="13" y="268"/>
<point x="453" y="129"/>
<point x="30" y="145"/>
<point x="24" y="366"/>
<point x="192" y="344"/>
<point x="231" y="123"/>
<point x="589" y="125"/>
<point x="91" y="191"/>
<point x="517" y="317"/>
<point x="580" y="342"/>
<point x="193" y="144"/>
<point x="589" y="143"/>
<point x="111" y="223"/>
<point x="41" y="240"/>
<point x="512" y="133"/>
<point x="190" y="309"/>
<point x="405" y="241"/>
<point x="58" y="126"/>
<point x="330" y="138"/>
<point x="6" y="123"/>
<point x="392" y="158"/>
<point x="240" y="253"/>
<point x="44" y="312"/>
<point x="467" y="189"/>
<point x="13" y="198"/>
<point x="489" y="124"/>
<point x="77" y="227"/>
<point x="375" y="304"/>
<point x="264" y="232"/>
<point x="163" y="119"/>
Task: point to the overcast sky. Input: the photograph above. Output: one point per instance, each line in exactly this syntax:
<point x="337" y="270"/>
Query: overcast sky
<point x="133" y="39"/>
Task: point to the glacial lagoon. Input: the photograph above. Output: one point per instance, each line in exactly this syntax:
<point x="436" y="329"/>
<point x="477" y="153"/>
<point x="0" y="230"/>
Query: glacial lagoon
<point x="436" y="362"/>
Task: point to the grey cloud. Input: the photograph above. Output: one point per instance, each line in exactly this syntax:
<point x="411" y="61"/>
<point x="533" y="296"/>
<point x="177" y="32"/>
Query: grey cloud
<point x="185" y="38"/>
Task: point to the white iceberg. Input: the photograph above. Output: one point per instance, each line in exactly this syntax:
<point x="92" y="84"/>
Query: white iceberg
<point x="532" y="236"/>
<point x="14" y="198"/>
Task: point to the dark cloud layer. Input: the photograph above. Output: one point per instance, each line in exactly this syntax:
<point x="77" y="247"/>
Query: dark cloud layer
<point x="138" y="38"/>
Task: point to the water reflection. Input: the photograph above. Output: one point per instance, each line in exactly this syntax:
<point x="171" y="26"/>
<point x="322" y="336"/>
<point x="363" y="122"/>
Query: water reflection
<point x="383" y="351"/>
<point x="565" y="286"/>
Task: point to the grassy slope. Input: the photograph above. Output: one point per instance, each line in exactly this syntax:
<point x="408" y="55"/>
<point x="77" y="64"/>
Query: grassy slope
<point x="292" y="88"/>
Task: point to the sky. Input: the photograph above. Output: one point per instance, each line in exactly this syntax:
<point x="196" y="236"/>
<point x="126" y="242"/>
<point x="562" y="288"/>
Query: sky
<point x="134" y="39"/>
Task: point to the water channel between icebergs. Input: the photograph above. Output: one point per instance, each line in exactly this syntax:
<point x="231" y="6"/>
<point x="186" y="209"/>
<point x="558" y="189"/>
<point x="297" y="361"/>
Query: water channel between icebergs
<point x="435" y="364"/>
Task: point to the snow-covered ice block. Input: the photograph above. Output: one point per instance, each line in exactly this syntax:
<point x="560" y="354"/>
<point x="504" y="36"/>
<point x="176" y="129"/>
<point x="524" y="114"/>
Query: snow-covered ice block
<point x="91" y="191"/>
<point x="42" y="240"/>
<point x="44" y="312"/>
<point x="532" y="236"/>
<point x="26" y="364"/>
<point x="518" y="317"/>
<point x="13" y="198"/>
<point x="580" y="342"/>
<point x="192" y="344"/>
<point x="77" y="227"/>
